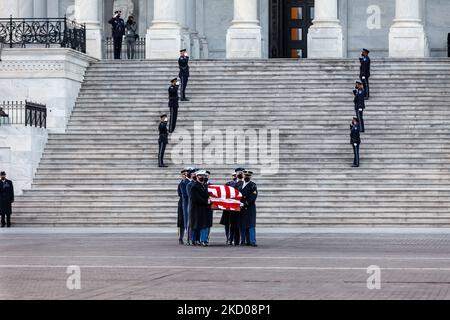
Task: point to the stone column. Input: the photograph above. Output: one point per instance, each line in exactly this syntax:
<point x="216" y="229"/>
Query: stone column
<point x="244" y="34"/>
<point x="163" y="40"/>
<point x="325" y="36"/>
<point x="53" y="9"/>
<point x="40" y="9"/>
<point x="191" y="21"/>
<point x="407" y="36"/>
<point x="86" y="11"/>
<point x="182" y="20"/>
<point x="200" y="27"/>
<point x="9" y="7"/>
<point x="26" y="8"/>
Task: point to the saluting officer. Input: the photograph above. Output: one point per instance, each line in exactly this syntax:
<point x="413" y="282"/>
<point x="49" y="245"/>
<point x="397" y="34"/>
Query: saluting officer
<point x="360" y="104"/>
<point x="6" y="199"/>
<point x="183" y="63"/>
<point x="355" y="141"/>
<point x="163" y="140"/>
<point x="364" y="72"/>
<point x="249" y="193"/>
<point x="173" y="104"/>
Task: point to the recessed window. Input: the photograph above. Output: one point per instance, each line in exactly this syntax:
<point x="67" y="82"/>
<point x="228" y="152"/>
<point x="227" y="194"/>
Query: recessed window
<point x="296" y="13"/>
<point x="296" y="53"/>
<point x="296" y="34"/>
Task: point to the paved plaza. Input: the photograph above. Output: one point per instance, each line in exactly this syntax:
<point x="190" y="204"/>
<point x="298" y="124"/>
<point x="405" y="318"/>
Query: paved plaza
<point x="288" y="264"/>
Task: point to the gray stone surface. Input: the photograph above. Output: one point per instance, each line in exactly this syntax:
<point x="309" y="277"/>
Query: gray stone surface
<point x="286" y="265"/>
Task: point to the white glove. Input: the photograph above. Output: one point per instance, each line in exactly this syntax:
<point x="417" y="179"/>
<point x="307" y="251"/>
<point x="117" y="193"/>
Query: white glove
<point x="178" y="83"/>
<point x="360" y="109"/>
<point x="242" y="204"/>
<point x="363" y="77"/>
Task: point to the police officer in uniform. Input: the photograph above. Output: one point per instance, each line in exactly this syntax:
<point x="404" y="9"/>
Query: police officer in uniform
<point x="360" y="104"/>
<point x="118" y="31"/>
<point x="173" y="104"/>
<point x="193" y="237"/>
<point x="249" y="193"/>
<point x="364" y="72"/>
<point x="183" y="63"/>
<point x="163" y="140"/>
<point x="200" y="208"/>
<point x="6" y="199"/>
<point x="355" y="141"/>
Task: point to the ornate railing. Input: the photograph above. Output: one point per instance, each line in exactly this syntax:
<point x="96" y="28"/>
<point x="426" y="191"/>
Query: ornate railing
<point x="27" y="113"/>
<point x="139" y="51"/>
<point x="20" y="33"/>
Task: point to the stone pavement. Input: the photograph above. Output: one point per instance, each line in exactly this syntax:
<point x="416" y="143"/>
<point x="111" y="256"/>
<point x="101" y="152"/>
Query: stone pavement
<point x="288" y="264"/>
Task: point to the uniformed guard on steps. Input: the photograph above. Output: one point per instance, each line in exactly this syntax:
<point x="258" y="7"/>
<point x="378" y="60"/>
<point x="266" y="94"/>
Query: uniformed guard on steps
<point x="364" y="72"/>
<point x="173" y="104"/>
<point x="183" y="64"/>
<point x="163" y="140"/>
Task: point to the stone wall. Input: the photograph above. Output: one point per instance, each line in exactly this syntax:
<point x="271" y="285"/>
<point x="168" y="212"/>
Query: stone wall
<point x="20" y="152"/>
<point x="49" y="76"/>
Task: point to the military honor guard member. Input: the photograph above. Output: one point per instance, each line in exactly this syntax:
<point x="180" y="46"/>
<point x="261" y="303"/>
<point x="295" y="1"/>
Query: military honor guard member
<point x="364" y="72"/>
<point x="360" y="104"/>
<point x="180" y="219"/>
<point x="200" y="208"/>
<point x="6" y="199"/>
<point x="173" y="104"/>
<point x="355" y="141"/>
<point x="183" y="64"/>
<point x="249" y="193"/>
<point x="226" y="215"/>
<point x="192" y="235"/>
<point x="163" y="140"/>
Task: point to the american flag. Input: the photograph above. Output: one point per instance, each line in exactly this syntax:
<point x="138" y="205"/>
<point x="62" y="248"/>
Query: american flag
<point x="225" y="198"/>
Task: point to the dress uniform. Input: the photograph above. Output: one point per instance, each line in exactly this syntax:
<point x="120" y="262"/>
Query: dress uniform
<point x="180" y="219"/>
<point x="6" y="199"/>
<point x="183" y="64"/>
<point x="236" y="219"/>
<point x="360" y="104"/>
<point x="364" y="71"/>
<point x="249" y="193"/>
<point x="173" y="104"/>
<point x="163" y="140"/>
<point x="226" y="215"/>
<point x="118" y="31"/>
<point x="192" y="235"/>
<point x="200" y="208"/>
<point x="185" y="201"/>
<point x="355" y="141"/>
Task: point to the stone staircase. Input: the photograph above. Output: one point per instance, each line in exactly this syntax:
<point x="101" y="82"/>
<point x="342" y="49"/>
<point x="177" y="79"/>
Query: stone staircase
<point x="103" y="171"/>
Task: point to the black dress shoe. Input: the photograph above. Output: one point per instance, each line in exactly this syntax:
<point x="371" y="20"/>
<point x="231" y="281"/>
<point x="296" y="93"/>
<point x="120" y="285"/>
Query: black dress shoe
<point x="3" y="225"/>
<point x="8" y="226"/>
<point x="254" y="245"/>
<point x="180" y="242"/>
<point x="355" y="166"/>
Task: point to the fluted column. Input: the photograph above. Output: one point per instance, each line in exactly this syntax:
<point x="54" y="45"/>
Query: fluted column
<point x="40" y="8"/>
<point x="9" y="7"/>
<point x="407" y="36"/>
<point x="191" y="22"/>
<point x="244" y="34"/>
<point x="26" y="8"/>
<point x="86" y="11"/>
<point x="163" y="40"/>
<point x="325" y="36"/>
<point x="200" y="27"/>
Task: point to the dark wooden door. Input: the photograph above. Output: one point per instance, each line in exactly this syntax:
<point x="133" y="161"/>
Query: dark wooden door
<point x="289" y="24"/>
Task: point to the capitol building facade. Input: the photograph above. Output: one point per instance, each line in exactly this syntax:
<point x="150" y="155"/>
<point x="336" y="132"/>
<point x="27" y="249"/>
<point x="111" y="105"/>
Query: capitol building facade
<point x="217" y="29"/>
